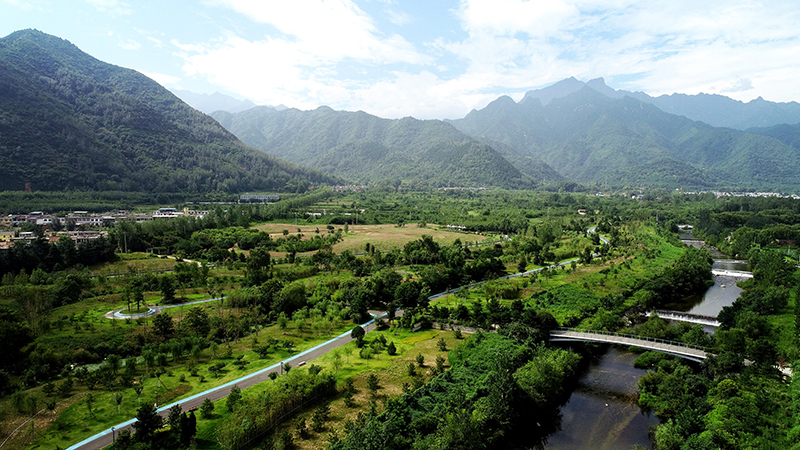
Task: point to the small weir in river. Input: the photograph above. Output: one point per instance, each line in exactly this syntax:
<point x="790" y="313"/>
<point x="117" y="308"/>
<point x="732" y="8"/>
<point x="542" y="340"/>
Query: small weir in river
<point x="602" y="413"/>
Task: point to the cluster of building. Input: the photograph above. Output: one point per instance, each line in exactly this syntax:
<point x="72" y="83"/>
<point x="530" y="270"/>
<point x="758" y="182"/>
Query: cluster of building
<point x="265" y="198"/>
<point x="86" y="220"/>
<point x="718" y="194"/>
<point x="350" y="188"/>
<point x="462" y="188"/>
<point x="78" y="224"/>
<point x="8" y="238"/>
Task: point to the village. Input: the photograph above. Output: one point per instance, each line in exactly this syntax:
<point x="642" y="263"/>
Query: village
<point x="80" y="226"/>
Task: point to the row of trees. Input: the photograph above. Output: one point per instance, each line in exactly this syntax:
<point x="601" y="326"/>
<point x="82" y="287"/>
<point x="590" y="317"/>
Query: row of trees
<point x="496" y="384"/>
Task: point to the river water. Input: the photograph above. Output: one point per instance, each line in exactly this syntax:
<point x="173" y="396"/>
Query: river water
<point x="602" y="412"/>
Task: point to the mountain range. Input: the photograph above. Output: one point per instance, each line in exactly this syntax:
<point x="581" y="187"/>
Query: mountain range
<point x="590" y="137"/>
<point x="70" y="121"/>
<point x="713" y="109"/>
<point x="582" y="132"/>
<point x="362" y="147"/>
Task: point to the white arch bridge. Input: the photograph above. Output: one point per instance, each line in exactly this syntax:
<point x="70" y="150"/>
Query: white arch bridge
<point x="686" y="351"/>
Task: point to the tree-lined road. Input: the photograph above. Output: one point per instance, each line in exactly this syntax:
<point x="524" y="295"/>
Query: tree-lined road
<point x="104" y="438"/>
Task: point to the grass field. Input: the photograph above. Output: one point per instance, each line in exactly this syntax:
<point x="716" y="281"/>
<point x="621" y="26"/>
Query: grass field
<point x="177" y="382"/>
<point x="392" y="372"/>
<point x="383" y="237"/>
<point x="133" y="263"/>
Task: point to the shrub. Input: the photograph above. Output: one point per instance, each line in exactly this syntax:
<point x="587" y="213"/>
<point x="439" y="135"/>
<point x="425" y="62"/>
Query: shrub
<point x="207" y="409"/>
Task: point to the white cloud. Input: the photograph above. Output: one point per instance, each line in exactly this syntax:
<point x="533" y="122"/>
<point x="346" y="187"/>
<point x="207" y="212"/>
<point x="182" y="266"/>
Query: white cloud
<point x="661" y="46"/>
<point x="162" y="79"/>
<point x="532" y="17"/>
<point x="398" y="17"/>
<point x="331" y="52"/>
<point x="25" y="5"/>
<point x="299" y="65"/>
<point x="328" y="29"/>
<point x="130" y="44"/>
<point x="151" y="36"/>
<point x="111" y="7"/>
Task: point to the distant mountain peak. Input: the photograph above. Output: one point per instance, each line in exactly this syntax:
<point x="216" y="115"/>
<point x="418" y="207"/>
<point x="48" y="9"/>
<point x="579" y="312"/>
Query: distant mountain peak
<point x="714" y="109"/>
<point x="557" y="90"/>
<point x="208" y="103"/>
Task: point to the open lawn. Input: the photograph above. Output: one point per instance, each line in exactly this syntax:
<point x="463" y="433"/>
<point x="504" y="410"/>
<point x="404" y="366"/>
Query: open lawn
<point x="383" y="237"/>
<point x="134" y="263"/>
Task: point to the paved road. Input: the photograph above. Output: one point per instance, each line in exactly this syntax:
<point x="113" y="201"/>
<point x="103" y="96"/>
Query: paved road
<point x="154" y="309"/>
<point x="103" y="439"/>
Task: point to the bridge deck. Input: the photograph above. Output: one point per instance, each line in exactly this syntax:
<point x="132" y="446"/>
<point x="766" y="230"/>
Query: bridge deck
<point x="691" y="352"/>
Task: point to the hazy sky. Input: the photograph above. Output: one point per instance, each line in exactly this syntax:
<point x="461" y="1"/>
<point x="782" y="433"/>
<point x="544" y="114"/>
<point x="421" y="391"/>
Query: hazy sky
<point x="431" y="58"/>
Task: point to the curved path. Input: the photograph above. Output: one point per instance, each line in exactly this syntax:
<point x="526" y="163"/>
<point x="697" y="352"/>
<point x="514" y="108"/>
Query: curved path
<point x="156" y="309"/>
<point x="104" y="438"/>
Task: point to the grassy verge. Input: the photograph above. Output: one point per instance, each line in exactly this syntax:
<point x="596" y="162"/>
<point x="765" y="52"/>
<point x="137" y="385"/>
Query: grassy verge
<point x="391" y="370"/>
<point x="76" y="422"/>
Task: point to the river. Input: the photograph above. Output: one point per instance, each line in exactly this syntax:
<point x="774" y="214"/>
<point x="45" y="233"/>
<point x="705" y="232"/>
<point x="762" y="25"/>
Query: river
<point x="602" y="412"/>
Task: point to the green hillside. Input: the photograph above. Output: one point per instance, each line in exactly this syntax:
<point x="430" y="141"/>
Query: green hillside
<point x="589" y="137"/>
<point x="363" y="147"/>
<point x="68" y="120"/>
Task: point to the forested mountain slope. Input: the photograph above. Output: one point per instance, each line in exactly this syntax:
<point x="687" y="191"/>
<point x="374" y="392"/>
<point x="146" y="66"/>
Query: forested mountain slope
<point x="68" y="120"/>
<point x="713" y="109"/>
<point x="360" y="146"/>
<point x="589" y="137"/>
<point x="788" y="134"/>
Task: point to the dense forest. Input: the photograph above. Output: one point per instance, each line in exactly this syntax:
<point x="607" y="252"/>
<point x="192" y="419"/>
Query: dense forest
<point x="366" y="148"/>
<point x="288" y="289"/>
<point x="69" y="121"/>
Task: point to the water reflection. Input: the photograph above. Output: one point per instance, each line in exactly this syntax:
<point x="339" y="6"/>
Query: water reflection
<point x="723" y="293"/>
<point x="602" y="412"/>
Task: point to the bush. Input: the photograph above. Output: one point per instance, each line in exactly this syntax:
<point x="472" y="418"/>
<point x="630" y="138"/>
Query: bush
<point x="207" y="409"/>
<point x="319" y="418"/>
<point x="372" y="383"/>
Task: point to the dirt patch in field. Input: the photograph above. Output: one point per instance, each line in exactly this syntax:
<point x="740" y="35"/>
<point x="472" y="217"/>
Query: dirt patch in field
<point x="383" y="237"/>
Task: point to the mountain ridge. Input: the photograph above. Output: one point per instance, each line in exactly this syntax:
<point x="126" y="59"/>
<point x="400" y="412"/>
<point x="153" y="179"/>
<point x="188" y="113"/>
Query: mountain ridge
<point x="713" y="109"/>
<point x="364" y="147"/>
<point x="71" y="121"/>
<point x="589" y="137"/>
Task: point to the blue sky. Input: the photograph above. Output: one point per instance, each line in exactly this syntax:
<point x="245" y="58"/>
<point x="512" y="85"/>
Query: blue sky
<point x="431" y="59"/>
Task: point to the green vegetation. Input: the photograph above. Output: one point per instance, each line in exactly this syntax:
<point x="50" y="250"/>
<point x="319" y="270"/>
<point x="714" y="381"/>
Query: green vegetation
<point x="588" y="137"/>
<point x="358" y="146"/>
<point x="107" y="128"/>
<point x="285" y="293"/>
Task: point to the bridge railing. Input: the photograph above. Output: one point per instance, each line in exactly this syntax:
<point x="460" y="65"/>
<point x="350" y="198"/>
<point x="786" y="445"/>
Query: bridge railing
<point x="634" y="336"/>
